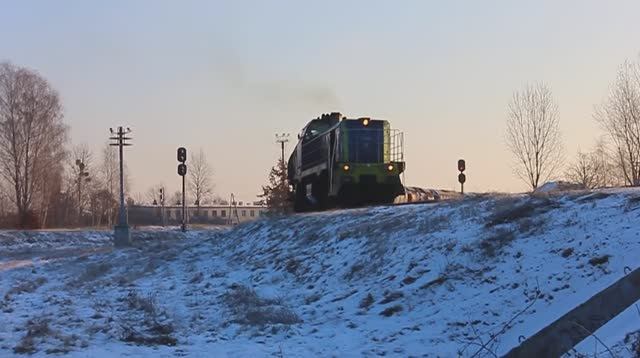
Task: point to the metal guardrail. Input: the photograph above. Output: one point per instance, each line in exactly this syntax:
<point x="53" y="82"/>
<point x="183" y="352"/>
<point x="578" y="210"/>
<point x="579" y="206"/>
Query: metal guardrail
<point x="562" y="335"/>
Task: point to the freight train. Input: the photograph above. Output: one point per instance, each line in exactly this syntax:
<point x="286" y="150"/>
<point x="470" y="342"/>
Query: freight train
<point x="346" y="162"/>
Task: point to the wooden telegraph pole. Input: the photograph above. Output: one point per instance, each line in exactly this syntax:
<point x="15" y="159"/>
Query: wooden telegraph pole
<point x="122" y="235"/>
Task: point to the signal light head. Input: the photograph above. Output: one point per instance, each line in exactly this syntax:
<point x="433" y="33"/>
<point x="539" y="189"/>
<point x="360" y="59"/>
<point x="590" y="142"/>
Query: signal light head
<point x="461" y="165"/>
<point x="346" y="167"/>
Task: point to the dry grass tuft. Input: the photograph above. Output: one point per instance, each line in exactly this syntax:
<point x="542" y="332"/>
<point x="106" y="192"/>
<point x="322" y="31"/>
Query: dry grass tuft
<point x="145" y="304"/>
<point x="36" y="328"/>
<point x="25" y="287"/>
<point x="154" y="328"/>
<point x="250" y="309"/>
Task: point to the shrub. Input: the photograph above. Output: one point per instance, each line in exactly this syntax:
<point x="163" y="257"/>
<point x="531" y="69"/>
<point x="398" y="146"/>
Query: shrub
<point x="132" y="336"/>
<point x="292" y="266"/>
<point x="599" y="260"/>
<point x="567" y="252"/>
<point x="271" y="315"/>
<point x="512" y="209"/>
<point x="29" y="221"/>
<point x="390" y="311"/>
<point x="492" y="245"/>
<point x="366" y="301"/>
<point x="36" y="327"/>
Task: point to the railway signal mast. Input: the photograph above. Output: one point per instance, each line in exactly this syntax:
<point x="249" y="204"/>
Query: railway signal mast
<point x="461" y="177"/>
<point x="122" y="236"/>
<point x="162" y="219"/>
<point x="182" y="171"/>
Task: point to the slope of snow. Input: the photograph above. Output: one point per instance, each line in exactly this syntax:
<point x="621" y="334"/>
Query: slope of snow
<point x="430" y="279"/>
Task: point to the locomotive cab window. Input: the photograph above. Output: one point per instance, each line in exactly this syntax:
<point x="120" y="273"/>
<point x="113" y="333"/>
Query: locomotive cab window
<point x="316" y="128"/>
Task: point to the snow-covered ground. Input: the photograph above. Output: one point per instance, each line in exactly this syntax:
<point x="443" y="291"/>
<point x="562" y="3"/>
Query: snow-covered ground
<point x="417" y="280"/>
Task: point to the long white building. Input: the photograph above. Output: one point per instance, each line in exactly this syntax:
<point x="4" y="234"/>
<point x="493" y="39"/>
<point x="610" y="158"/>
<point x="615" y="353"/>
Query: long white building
<point x="209" y="214"/>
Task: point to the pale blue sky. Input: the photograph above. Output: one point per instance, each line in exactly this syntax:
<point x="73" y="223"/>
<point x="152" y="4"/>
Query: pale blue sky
<point x="226" y="76"/>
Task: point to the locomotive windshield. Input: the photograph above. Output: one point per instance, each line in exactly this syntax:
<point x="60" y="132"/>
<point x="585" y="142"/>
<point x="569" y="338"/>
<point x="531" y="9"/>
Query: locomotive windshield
<point x="365" y="143"/>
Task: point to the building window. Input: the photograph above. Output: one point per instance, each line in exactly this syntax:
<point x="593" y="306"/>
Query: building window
<point x="252" y="213"/>
<point x="223" y="213"/>
<point x="244" y="213"/>
<point x="214" y="213"/>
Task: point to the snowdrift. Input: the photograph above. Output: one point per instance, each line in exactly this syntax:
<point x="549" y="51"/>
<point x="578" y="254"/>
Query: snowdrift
<point x="441" y="279"/>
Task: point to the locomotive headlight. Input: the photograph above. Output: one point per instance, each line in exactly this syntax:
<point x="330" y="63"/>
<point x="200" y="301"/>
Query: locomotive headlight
<point x="365" y="122"/>
<point x="390" y="167"/>
<point x="346" y="167"/>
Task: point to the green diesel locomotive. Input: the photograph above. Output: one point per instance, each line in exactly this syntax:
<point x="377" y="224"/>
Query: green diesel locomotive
<point x="346" y="162"/>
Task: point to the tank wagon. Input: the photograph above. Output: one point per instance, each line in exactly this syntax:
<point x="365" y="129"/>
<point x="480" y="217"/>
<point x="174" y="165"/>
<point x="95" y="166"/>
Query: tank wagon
<point x="346" y="162"/>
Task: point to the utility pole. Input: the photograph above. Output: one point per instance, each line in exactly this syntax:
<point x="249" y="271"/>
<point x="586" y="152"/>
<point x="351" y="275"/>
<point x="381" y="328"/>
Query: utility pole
<point x="122" y="236"/>
<point x="282" y="139"/>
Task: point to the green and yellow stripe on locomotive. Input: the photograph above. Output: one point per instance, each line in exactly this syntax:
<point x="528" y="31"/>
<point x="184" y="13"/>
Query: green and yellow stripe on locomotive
<point x="346" y="162"/>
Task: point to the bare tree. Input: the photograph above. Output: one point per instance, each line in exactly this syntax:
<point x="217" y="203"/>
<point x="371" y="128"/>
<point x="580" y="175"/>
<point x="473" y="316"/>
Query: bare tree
<point x="49" y="187"/>
<point x="533" y="134"/>
<point x="153" y="195"/>
<point x="619" y="115"/>
<point x="176" y="199"/>
<point x="109" y="176"/>
<point x="582" y="171"/>
<point x="200" y="173"/>
<point x="103" y="205"/>
<point x="32" y="134"/>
